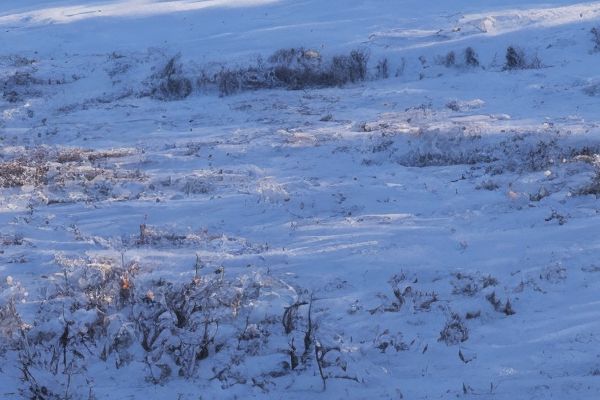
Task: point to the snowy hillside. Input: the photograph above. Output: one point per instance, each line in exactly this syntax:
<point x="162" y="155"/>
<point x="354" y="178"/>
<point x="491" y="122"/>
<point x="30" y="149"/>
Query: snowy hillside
<point x="336" y="199"/>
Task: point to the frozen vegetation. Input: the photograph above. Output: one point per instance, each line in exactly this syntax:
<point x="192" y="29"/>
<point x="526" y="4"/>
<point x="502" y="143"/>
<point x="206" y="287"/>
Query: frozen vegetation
<point x="303" y="199"/>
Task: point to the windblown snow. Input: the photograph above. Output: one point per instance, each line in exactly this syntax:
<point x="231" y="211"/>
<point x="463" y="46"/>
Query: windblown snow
<point x="302" y="199"/>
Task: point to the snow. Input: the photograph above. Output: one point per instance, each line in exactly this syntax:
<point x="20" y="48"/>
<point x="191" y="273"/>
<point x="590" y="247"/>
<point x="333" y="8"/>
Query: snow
<point x="441" y="225"/>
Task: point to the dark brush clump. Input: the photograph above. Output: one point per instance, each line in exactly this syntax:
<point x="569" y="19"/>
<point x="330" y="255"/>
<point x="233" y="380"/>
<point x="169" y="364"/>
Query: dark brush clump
<point x="170" y="83"/>
<point x="293" y="69"/>
<point x="596" y="38"/>
<point x="471" y="57"/>
<point x="515" y="58"/>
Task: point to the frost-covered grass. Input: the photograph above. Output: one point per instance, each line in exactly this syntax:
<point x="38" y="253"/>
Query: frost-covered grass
<point x="300" y="200"/>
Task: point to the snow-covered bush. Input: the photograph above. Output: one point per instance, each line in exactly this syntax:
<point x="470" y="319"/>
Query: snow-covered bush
<point x="592" y="188"/>
<point x="231" y="80"/>
<point x="17" y="173"/>
<point x="516" y="59"/>
<point x="103" y="311"/>
<point x="350" y="68"/>
<point x="19" y="85"/>
<point x="471" y="57"/>
<point x="596" y="38"/>
<point x="294" y="69"/>
<point x="170" y="83"/>
<point x="382" y="69"/>
<point x="449" y="60"/>
<point x="298" y="68"/>
<point x="455" y="331"/>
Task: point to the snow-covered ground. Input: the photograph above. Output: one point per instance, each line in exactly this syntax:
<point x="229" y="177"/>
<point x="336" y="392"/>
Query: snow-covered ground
<point x="429" y="232"/>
